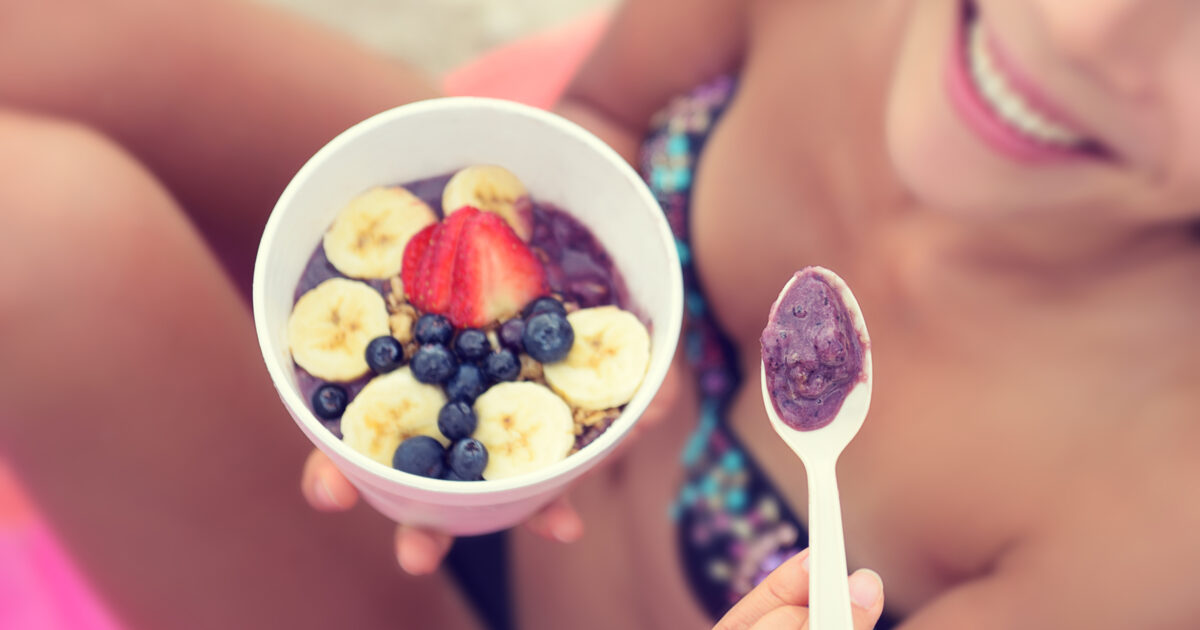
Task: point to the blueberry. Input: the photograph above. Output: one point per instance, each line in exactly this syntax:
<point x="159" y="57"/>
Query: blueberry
<point x="544" y="305"/>
<point x="468" y="458"/>
<point x="548" y="337"/>
<point x="433" y="328"/>
<point x="457" y="420"/>
<point x="510" y="335"/>
<point x="420" y="455"/>
<point x="433" y="364"/>
<point x="385" y="354"/>
<point x="450" y="475"/>
<point x="466" y="384"/>
<point x="471" y="345"/>
<point x="329" y="401"/>
<point x="502" y="366"/>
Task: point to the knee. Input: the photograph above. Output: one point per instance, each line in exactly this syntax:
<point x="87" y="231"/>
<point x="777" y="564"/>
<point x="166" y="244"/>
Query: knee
<point x="73" y="205"/>
<point x="58" y="169"/>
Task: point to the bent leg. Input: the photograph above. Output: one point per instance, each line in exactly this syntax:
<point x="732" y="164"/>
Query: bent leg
<point x="139" y="413"/>
<point x="223" y="100"/>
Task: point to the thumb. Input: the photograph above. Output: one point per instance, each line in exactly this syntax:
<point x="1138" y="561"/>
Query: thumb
<point x="866" y="598"/>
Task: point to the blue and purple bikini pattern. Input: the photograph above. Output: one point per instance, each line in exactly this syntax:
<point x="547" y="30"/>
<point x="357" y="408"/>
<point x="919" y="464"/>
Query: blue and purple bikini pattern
<point x="733" y="527"/>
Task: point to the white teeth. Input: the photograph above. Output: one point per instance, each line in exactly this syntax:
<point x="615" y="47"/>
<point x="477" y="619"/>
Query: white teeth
<point x="1007" y="102"/>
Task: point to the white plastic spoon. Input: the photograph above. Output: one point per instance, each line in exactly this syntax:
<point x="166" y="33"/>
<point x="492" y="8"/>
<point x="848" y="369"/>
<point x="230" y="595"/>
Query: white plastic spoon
<point x="818" y="449"/>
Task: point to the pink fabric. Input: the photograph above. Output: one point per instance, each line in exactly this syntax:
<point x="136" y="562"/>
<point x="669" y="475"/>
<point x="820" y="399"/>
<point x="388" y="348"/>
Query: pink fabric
<point x="534" y="71"/>
<point x="40" y="587"/>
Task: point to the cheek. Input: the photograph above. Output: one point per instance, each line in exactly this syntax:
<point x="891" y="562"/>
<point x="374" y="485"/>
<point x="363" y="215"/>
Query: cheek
<point x="1179" y="170"/>
<point x="932" y="152"/>
<point x="937" y="156"/>
<point x="1185" y="180"/>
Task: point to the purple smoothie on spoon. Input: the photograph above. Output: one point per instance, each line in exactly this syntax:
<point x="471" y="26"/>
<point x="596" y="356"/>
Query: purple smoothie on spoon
<point x="811" y="351"/>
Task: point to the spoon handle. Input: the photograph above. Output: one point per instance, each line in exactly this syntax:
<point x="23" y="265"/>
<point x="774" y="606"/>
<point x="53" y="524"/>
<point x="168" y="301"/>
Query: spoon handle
<point x="829" y="588"/>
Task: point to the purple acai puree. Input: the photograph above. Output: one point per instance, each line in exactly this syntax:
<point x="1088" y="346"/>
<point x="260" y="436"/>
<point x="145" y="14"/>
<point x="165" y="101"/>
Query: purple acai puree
<point x="577" y="267"/>
<point x="812" y="353"/>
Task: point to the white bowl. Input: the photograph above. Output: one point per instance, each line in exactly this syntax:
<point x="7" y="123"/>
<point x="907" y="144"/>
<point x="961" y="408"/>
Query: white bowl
<point x="561" y="164"/>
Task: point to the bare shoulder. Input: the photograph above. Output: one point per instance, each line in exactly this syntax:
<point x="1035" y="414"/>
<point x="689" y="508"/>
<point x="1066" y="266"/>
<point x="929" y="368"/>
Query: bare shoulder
<point x="656" y="49"/>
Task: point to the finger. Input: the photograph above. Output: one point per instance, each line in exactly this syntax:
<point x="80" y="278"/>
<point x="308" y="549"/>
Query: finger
<point x="786" y="586"/>
<point x="420" y="551"/>
<point x="866" y="595"/>
<point x="324" y="486"/>
<point x="784" y="618"/>
<point x="557" y="521"/>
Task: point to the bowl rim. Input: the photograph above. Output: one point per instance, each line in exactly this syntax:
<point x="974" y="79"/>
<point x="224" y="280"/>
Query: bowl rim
<point x="656" y="372"/>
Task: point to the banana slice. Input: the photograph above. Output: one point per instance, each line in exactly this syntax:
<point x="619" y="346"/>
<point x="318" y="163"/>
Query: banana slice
<point x="368" y="237"/>
<point x="606" y="363"/>
<point x="331" y="325"/>
<point x="491" y="189"/>
<point x="389" y="410"/>
<point x="524" y="427"/>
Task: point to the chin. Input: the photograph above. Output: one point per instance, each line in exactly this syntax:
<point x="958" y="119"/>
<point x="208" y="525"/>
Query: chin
<point x="935" y="159"/>
<point x="932" y="175"/>
<point x="935" y="155"/>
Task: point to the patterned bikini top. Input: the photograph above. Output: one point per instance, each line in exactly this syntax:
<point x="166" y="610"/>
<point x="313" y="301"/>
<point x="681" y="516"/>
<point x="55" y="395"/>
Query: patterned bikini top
<point x="733" y="526"/>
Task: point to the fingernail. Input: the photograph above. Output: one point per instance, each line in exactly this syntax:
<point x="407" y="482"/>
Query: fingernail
<point x="865" y="588"/>
<point x="563" y="532"/>
<point x="325" y="495"/>
<point x="405" y="553"/>
<point x="804" y="562"/>
<point x="414" y="568"/>
<point x="409" y="567"/>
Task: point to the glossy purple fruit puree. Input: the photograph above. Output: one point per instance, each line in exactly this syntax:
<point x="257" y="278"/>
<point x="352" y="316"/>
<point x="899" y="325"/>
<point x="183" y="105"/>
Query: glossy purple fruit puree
<point x="812" y="353"/>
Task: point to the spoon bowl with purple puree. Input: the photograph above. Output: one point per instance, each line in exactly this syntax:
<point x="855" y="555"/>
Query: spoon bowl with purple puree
<point x="816" y="384"/>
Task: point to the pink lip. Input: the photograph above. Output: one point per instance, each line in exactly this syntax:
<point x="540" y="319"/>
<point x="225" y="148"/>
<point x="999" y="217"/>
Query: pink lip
<point x="980" y="117"/>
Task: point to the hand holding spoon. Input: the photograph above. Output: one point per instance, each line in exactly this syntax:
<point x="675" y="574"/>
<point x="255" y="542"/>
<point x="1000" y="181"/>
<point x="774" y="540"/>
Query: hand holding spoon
<point x="816" y="382"/>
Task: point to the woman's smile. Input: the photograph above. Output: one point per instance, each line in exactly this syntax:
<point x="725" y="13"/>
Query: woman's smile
<point x="1009" y="111"/>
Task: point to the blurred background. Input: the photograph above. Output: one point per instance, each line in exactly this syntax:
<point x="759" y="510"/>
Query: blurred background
<point x="438" y="35"/>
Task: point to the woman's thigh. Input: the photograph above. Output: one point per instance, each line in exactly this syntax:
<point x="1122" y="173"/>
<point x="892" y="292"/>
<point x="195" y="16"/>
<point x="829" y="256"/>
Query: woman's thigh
<point x="139" y="413"/>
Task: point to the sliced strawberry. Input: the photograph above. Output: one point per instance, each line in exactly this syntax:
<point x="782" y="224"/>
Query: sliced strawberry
<point x="435" y="276"/>
<point x="414" y="280"/>
<point x="495" y="274"/>
<point x="414" y="254"/>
